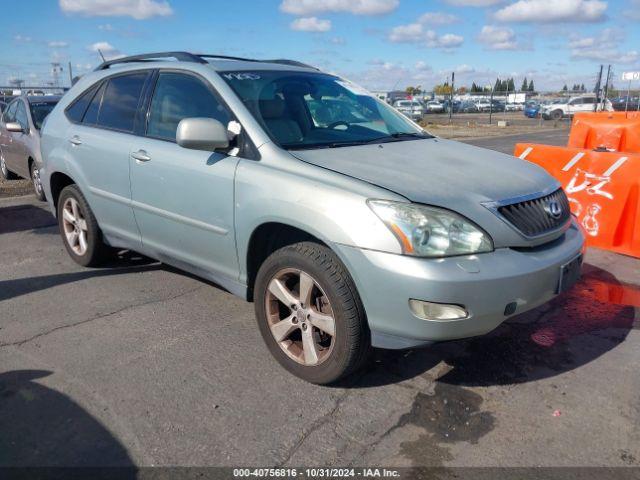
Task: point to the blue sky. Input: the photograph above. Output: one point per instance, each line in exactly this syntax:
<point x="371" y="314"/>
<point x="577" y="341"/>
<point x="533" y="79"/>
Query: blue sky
<point x="378" y="43"/>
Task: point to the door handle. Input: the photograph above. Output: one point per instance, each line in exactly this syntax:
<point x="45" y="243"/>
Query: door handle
<point x="141" y="156"/>
<point x="75" y="140"/>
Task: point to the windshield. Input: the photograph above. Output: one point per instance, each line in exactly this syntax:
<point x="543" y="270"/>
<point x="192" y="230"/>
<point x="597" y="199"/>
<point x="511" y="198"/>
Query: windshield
<point x="314" y="110"/>
<point x="39" y="111"/>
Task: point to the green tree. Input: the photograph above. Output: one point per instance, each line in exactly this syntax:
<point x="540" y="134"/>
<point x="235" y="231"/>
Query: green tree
<point x="532" y="88"/>
<point x="511" y="85"/>
<point x="442" y="89"/>
<point x="565" y="88"/>
<point x="525" y="85"/>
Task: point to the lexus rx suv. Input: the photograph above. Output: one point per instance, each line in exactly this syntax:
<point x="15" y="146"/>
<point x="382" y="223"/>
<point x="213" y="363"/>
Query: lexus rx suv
<point x="343" y="221"/>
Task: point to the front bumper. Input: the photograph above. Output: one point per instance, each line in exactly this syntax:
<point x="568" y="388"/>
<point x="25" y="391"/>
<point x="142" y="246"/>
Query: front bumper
<point x="484" y="284"/>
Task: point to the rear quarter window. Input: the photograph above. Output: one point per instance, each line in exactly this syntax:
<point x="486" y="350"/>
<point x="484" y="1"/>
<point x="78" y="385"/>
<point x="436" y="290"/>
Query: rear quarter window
<point x="76" y="110"/>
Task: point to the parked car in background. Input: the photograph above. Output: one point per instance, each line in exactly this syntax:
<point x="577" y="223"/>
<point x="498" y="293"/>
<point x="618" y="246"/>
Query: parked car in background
<point x="621" y="104"/>
<point x="514" y="107"/>
<point x="469" y="106"/>
<point x="345" y="236"/>
<point x="568" y="107"/>
<point x="532" y="109"/>
<point x="454" y="106"/>
<point x="411" y="108"/>
<point x="497" y="106"/>
<point x="482" y="105"/>
<point x="434" y="106"/>
<point x="20" y="139"/>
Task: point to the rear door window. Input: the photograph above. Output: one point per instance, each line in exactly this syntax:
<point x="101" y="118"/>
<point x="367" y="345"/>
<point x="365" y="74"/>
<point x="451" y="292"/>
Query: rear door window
<point x="21" y="115"/>
<point x="10" y="113"/>
<point x="120" y="102"/>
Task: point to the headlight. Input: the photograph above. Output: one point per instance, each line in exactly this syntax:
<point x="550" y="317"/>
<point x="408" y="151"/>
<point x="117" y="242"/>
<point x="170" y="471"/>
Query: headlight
<point x="429" y="231"/>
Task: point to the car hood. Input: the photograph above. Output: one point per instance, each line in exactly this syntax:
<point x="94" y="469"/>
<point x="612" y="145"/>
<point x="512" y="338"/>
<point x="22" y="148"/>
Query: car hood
<point x="443" y="173"/>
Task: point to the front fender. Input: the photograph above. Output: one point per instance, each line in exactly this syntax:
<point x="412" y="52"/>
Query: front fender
<point x="327" y="205"/>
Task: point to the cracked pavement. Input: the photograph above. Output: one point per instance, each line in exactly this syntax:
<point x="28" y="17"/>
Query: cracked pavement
<point x="140" y="364"/>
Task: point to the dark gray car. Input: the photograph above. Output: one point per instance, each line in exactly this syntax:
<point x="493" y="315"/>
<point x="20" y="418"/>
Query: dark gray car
<point x="20" y="126"/>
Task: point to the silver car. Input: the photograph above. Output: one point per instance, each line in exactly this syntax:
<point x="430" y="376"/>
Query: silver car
<point x="345" y="234"/>
<point x="20" y="125"/>
<point x="411" y="108"/>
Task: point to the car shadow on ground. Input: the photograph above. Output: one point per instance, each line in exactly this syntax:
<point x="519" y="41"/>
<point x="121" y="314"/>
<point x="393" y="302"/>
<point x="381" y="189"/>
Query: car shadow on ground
<point x="567" y="333"/>
<point x="25" y="217"/>
<point x="124" y="262"/>
<point x="41" y="427"/>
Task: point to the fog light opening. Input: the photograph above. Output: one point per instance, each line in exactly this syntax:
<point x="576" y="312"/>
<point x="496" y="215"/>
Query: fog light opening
<point x="440" y="312"/>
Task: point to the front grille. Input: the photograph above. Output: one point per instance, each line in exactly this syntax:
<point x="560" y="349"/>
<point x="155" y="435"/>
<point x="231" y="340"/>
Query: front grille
<point x="532" y="217"/>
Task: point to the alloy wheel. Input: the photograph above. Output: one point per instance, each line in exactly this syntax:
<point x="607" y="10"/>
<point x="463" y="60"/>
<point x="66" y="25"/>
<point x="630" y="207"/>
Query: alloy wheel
<point x="37" y="182"/>
<point x="300" y="317"/>
<point x="3" y="165"/>
<point x="75" y="226"/>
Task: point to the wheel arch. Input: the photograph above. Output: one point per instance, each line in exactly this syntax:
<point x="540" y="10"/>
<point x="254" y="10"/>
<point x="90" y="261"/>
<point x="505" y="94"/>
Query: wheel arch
<point x="57" y="182"/>
<point x="268" y="237"/>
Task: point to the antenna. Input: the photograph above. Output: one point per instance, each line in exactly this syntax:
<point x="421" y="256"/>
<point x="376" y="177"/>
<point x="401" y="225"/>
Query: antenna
<point x="101" y="55"/>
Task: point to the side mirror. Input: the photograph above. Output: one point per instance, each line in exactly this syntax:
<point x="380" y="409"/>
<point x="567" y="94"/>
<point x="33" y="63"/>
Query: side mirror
<point x="14" y="127"/>
<point x="202" y="134"/>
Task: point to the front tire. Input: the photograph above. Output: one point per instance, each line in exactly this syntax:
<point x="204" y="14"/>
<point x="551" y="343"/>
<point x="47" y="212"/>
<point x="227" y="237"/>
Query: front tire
<point x="79" y="228"/>
<point x="4" y="171"/>
<point x="556" y="115"/>
<point x="37" y="183"/>
<point x="310" y="314"/>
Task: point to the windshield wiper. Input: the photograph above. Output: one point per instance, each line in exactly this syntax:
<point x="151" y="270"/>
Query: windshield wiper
<point x="392" y="137"/>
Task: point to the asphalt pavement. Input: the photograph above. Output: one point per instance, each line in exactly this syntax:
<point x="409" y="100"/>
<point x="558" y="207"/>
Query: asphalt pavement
<point x="141" y="364"/>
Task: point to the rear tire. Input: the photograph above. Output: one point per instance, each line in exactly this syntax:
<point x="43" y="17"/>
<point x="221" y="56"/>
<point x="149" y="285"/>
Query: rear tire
<point x="37" y="183"/>
<point x="4" y="171"/>
<point x="79" y="229"/>
<point x="289" y="326"/>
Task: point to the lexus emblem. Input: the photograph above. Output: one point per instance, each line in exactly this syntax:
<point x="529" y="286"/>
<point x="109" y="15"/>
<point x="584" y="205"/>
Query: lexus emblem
<point x="553" y="209"/>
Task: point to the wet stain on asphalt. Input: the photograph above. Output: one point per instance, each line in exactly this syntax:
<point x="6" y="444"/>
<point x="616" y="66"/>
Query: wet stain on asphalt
<point x="451" y="415"/>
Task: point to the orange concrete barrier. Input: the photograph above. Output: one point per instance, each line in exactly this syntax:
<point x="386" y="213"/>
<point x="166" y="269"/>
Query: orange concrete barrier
<point x="612" y="131"/>
<point x="603" y="190"/>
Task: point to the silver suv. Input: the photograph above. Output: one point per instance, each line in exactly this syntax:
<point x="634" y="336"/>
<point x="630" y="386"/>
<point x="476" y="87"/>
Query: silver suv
<point x="347" y="224"/>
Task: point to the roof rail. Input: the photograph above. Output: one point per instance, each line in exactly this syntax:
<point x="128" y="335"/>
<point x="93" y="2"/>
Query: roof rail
<point x="281" y="61"/>
<point x="293" y="63"/>
<point x="146" y="57"/>
<point x="194" y="58"/>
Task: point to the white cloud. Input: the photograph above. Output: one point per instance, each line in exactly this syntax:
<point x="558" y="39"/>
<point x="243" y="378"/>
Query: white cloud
<point x="338" y="40"/>
<point x="416" y="33"/>
<point x="604" y="47"/>
<point x="412" y="33"/>
<point x="553" y="11"/>
<point x="437" y="18"/>
<point x="138" y="9"/>
<point x="474" y="3"/>
<point x="356" y="7"/>
<point x="422" y="66"/>
<point x="464" y="68"/>
<point x="109" y="51"/>
<point x="448" y="40"/>
<point x="498" y="38"/>
<point x="22" y="39"/>
<point x="311" y="24"/>
<point x="107" y="27"/>
<point x="57" y="44"/>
